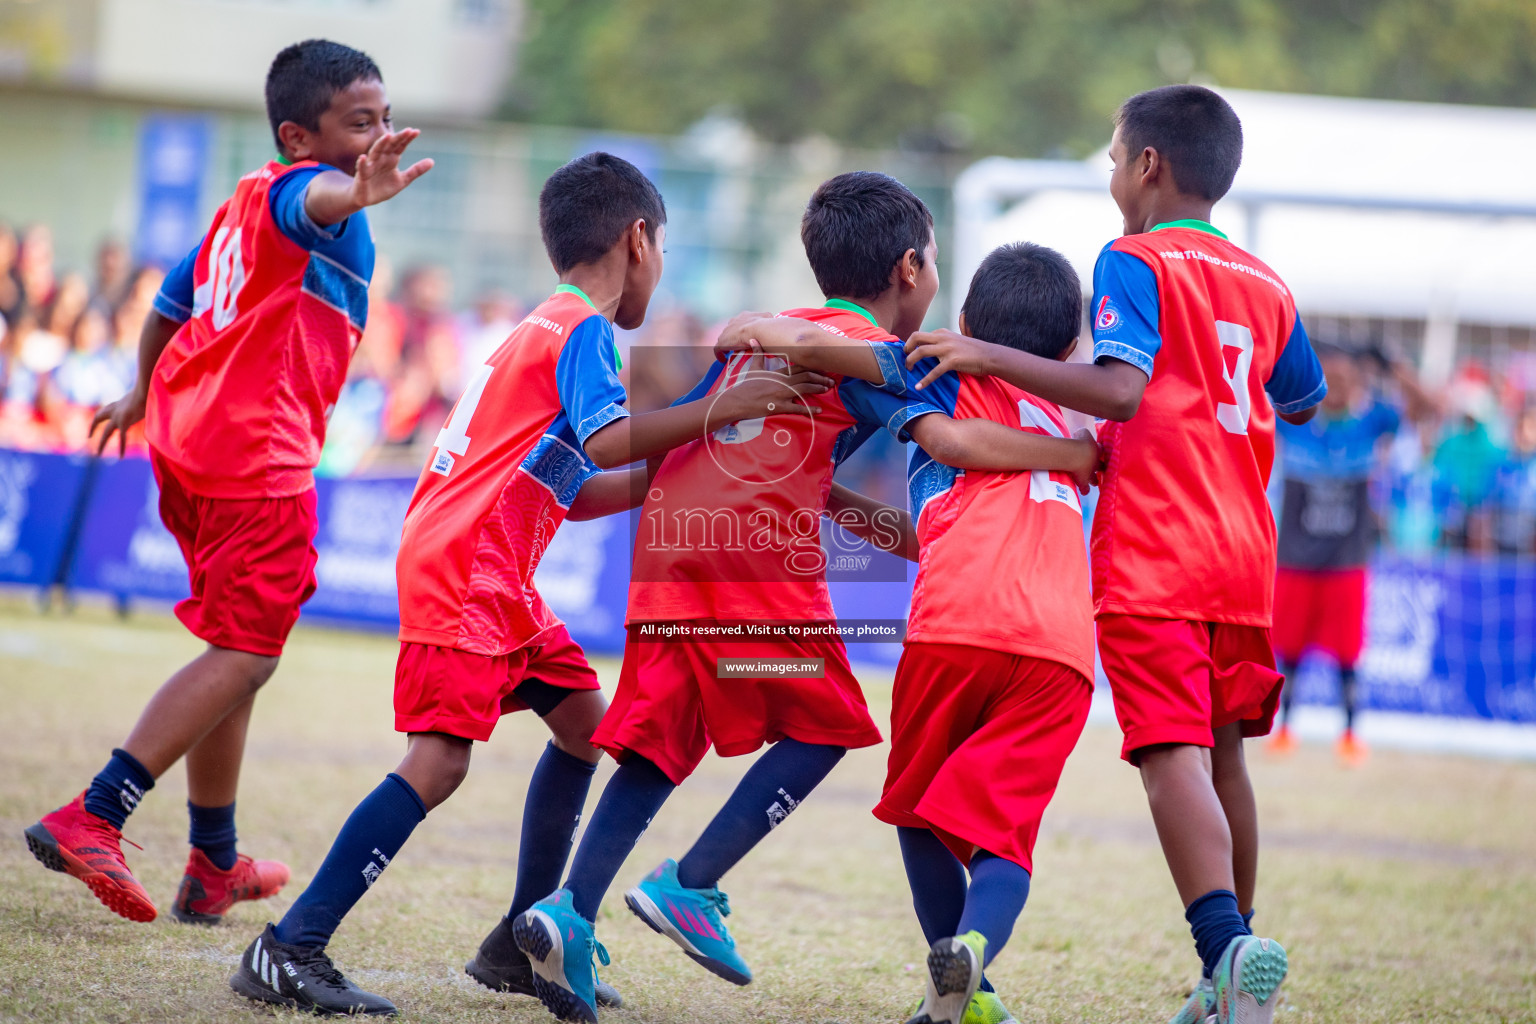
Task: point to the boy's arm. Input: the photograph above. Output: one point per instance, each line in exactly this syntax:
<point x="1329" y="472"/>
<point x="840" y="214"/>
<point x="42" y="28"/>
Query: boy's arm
<point x="1296" y="382"/>
<point x="629" y="438"/>
<point x="803" y="343"/>
<point x="986" y="445"/>
<point x="884" y="526"/>
<point x="605" y="494"/>
<point x="172" y="307"/>
<point x="334" y="196"/>
<point x="122" y="414"/>
<point x="1111" y="390"/>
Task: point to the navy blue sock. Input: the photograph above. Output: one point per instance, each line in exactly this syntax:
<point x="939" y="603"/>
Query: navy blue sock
<point x="370" y="839"/>
<point x="213" y="832"/>
<point x="551" y="813"/>
<point x="624" y="811"/>
<point x="117" y="789"/>
<point x="993" y="903"/>
<point x="1215" y="921"/>
<point x="1248" y="920"/>
<point x="937" y="880"/>
<point x="771" y="788"/>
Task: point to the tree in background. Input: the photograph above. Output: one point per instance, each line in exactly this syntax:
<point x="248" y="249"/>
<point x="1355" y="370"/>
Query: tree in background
<point x="1021" y="77"/>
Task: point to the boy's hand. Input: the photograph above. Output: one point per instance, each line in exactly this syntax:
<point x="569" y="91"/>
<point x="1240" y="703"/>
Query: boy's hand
<point x="378" y="176"/>
<point x="1090" y="473"/>
<point x="762" y="392"/>
<point x="735" y="337"/>
<point x="955" y="353"/>
<point x="119" y="416"/>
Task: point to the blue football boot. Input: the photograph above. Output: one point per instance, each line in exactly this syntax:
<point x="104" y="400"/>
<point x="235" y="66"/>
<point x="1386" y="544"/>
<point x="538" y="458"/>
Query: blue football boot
<point x="560" y="944"/>
<point x="692" y="918"/>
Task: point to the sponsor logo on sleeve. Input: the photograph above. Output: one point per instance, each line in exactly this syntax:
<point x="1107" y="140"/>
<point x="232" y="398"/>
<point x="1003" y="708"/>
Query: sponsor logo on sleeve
<point x="1108" y="317"/>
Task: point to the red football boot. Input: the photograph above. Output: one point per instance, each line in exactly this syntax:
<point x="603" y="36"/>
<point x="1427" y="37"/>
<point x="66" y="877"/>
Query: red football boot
<point x="206" y="892"/>
<point x="75" y="841"/>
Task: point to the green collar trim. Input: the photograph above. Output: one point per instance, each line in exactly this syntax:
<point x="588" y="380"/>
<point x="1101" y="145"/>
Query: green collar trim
<point x="1191" y="223"/>
<point x="570" y="289"/>
<point x="282" y="158"/>
<point x="852" y="308"/>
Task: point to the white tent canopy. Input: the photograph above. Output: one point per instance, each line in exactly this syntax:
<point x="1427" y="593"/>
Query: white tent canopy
<point x="1365" y="207"/>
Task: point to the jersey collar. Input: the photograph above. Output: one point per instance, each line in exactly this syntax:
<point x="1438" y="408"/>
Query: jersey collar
<point x="852" y="308"/>
<point x="570" y="289"/>
<point x="282" y="158"/>
<point x="1191" y="223"/>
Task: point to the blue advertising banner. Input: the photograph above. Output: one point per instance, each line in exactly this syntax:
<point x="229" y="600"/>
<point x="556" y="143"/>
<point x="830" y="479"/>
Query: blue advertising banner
<point x="173" y="154"/>
<point x="360" y="524"/>
<point x="124" y="548"/>
<point x="38" y="494"/>
<point x="1447" y="635"/>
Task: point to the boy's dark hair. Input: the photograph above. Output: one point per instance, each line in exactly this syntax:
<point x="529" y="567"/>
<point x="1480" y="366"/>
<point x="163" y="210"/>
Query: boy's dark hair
<point x="1027" y="297"/>
<point x="589" y="203"/>
<point x="856" y="227"/>
<point x="305" y="77"/>
<point x="1193" y="128"/>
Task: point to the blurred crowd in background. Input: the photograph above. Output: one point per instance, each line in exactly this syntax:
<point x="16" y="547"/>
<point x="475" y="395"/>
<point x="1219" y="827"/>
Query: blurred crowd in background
<point x="1460" y="473"/>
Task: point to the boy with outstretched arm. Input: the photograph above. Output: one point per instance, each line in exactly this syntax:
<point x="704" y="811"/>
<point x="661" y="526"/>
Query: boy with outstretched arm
<point x="239" y="363"/>
<point x="522" y="451"/>
<point x="985" y="710"/>
<point x="759" y="489"/>
<point x="1190" y="333"/>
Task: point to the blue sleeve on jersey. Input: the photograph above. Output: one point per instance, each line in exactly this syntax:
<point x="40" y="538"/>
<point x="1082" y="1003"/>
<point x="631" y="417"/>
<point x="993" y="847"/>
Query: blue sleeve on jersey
<point x="877" y="407"/>
<point x="1297" y="381"/>
<point x="174" y="299"/>
<point x="894" y="375"/>
<point x="702" y="387"/>
<point x="349" y="244"/>
<point x="587" y="377"/>
<point x="1125" y="311"/>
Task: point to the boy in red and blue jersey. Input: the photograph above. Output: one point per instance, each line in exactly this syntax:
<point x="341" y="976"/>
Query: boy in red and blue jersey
<point x="758" y="490"/>
<point x="1197" y="348"/>
<point x="239" y="364"/>
<point x="986" y="709"/>
<point x="522" y="451"/>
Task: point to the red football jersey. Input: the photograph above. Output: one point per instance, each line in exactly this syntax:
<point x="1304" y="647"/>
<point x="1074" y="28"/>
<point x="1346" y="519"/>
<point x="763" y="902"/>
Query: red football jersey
<point x="507" y="466"/>
<point x="1002" y="563"/>
<point x="240" y="396"/>
<point x="1183" y="529"/>
<point x="731" y="528"/>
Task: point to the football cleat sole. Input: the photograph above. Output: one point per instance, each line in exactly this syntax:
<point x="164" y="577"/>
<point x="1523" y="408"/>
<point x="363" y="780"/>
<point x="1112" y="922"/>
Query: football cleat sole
<point x="1257" y="971"/>
<point x="105" y="888"/>
<point x="954" y="974"/>
<point x="537" y="936"/>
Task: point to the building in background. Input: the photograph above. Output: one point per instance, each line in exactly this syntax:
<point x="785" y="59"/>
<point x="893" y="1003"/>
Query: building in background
<point x="445" y="58"/>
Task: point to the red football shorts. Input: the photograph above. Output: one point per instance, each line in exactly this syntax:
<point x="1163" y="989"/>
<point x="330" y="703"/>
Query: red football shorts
<point x="1174" y="681"/>
<point x="1322" y="609"/>
<point x="670" y="707"/>
<point x="251" y="562"/>
<point x="978" y="741"/>
<point x="443" y="689"/>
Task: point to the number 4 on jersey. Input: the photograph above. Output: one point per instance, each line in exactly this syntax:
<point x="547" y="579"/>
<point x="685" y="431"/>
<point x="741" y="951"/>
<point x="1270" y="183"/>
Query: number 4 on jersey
<point x="1233" y="416"/>
<point x="453" y="439"/>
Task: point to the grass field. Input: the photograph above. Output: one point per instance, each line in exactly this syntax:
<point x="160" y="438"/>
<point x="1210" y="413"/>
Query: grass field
<point x="1405" y="891"/>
